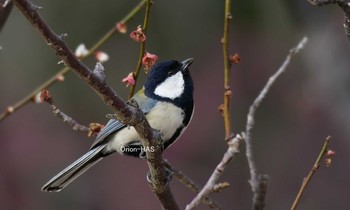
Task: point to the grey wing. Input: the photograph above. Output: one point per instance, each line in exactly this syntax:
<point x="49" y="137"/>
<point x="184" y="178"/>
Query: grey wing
<point x="145" y="104"/>
<point x="112" y="126"/>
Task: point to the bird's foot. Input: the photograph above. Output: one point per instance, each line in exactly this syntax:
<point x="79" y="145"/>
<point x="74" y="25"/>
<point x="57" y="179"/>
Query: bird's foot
<point x="168" y="174"/>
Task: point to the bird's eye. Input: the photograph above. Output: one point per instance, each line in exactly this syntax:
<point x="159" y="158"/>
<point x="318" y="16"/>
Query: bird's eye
<point x="171" y="73"/>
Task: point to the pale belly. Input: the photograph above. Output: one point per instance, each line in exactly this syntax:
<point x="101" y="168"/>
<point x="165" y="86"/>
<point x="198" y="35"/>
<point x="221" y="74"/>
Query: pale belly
<point x="165" y="117"/>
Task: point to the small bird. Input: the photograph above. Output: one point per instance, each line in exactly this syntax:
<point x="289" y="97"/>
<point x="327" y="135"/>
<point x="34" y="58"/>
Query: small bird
<point x="166" y="99"/>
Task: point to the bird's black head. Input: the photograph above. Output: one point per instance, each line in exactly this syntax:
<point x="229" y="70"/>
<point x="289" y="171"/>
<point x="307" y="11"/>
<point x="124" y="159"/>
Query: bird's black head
<point x="170" y="81"/>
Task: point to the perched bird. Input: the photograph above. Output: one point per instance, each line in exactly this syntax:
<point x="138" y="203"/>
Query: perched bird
<point x="166" y="99"/>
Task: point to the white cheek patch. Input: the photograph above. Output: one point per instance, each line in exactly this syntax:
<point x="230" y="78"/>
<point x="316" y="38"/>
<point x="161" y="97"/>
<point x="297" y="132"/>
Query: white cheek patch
<point x="172" y="87"/>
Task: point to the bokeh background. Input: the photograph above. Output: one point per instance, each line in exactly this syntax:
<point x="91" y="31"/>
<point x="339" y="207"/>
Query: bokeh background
<point x="309" y="102"/>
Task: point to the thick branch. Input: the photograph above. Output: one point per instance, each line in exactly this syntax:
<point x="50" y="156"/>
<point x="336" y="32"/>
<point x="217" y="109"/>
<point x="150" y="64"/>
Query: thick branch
<point x="62" y="50"/>
<point x="254" y="182"/>
<point x="127" y="114"/>
<point x="12" y="108"/>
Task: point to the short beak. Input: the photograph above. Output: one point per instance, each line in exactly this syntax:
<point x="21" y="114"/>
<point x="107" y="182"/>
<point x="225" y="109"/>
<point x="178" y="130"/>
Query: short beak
<point x="186" y="63"/>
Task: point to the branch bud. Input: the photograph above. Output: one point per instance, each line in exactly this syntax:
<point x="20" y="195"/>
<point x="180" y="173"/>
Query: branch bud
<point x="99" y="71"/>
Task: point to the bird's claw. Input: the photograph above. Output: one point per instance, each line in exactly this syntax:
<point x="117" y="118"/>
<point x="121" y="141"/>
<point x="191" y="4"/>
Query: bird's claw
<point x="142" y="154"/>
<point x="168" y="174"/>
<point x="133" y="103"/>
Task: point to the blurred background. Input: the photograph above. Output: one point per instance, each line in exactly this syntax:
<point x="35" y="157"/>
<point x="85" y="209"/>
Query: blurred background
<point x="308" y="103"/>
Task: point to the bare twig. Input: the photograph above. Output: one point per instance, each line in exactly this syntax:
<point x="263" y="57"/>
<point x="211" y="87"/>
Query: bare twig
<point x="13" y="108"/>
<point x="92" y="130"/>
<point x="220" y="186"/>
<point x="254" y="182"/>
<point x="67" y="119"/>
<point x="46" y="97"/>
<point x="190" y="184"/>
<point x="127" y="114"/>
<point x="230" y="154"/>
<point x="227" y="66"/>
<point x="313" y="170"/>
<point x="142" y="48"/>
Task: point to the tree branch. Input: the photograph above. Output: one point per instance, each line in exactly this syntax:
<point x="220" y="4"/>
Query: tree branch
<point x="142" y="48"/>
<point x="232" y="142"/>
<point x="254" y="182"/>
<point x="343" y="4"/>
<point x="127" y="114"/>
<point x="92" y="130"/>
<point x="13" y="108"/>
<point x="190" y="184"/>
<point x="67" y="119"/>
<point x="230" y="154"/>
<point x="227" y="66"/>
<point x="313" y="170"/>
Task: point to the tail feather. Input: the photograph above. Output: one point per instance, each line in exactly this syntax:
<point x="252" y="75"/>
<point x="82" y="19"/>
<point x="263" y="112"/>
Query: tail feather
<point x="73" y="171"/>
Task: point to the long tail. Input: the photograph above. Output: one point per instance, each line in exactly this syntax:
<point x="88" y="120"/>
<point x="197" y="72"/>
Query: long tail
<point x="73" y="171"/>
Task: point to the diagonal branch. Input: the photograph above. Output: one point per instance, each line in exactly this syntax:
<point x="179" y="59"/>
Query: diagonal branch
<point x="92" y="130"/>
<point x="254" y="178"/>
<point x="12" y="108"/>
<point x="190" y="184"/>
<point x="125" y="113"/>
<point x="230" y="154"/>
<point x="313" y="170"/>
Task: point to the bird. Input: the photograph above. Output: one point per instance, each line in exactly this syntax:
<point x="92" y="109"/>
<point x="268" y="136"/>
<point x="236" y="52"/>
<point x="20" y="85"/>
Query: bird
<point x="166" y="99"/>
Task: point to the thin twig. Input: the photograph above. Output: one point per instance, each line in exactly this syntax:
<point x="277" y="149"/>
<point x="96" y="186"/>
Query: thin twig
<point x="220" y="186"/>
<point x="313" y="170"/>
<point x="185" y="180"/>
<point x="142" y="49"/>
<point x="92" y="130"/>
<point x="125" y="113"/>
<point x="67" y="119"/>
<point x="227" y="66"/>
<point x="230" y="154"/>
<point x="13" y="108"/>
<point x="250" y="121"/>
